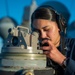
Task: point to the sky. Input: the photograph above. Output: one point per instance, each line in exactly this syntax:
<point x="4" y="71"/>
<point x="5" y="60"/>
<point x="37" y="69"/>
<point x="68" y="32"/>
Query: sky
<point x="15" y="9"/>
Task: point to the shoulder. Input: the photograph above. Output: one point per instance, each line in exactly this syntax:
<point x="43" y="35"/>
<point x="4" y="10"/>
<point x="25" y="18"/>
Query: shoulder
<point x="70" y="40"/>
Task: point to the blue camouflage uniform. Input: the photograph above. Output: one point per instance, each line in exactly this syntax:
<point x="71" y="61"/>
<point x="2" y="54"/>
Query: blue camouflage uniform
<point x="67" y="47"/>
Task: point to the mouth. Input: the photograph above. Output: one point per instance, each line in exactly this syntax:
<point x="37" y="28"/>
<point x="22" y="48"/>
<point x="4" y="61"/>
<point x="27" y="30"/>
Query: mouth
<point x="45" y="44"/>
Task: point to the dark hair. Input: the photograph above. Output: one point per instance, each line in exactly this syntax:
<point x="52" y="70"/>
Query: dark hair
<point x="44" y="13"/>
<point x="49" y="13"/>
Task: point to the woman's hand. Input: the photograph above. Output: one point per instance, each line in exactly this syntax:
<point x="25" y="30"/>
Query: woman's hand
<point x="52" y="52"/>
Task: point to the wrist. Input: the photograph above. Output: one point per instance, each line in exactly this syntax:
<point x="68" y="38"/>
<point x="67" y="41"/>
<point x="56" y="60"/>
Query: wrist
<point x="64" y="63"/>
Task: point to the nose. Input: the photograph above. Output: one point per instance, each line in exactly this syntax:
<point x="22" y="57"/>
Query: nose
<point x="42" y="35"/>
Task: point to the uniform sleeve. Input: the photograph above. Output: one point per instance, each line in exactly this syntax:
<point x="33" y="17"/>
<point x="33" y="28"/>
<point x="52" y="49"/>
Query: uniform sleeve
<point x="70" y="69"/>
<point x="70" y="63"/>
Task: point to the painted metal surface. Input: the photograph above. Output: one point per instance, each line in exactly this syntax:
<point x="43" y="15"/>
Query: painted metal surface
<point x="21" y="53"/>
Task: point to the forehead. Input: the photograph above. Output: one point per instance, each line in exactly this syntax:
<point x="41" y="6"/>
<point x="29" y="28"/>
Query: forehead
<point x="41" y="23"/>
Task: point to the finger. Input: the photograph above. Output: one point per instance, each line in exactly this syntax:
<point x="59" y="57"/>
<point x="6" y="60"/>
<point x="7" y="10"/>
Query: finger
<point x="45" y="48"/>
<point x="50" y="44"/>
<point x="45" y="52"/>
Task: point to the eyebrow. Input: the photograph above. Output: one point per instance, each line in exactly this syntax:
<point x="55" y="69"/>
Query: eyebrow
<point x="38" y="29"/>
<point x="44" y="27"/>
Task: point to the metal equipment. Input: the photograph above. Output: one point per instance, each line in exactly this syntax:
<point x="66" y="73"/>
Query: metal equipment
<point x="21" y="54"/>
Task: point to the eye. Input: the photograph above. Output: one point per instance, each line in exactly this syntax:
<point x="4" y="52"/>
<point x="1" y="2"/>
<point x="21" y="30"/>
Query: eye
<point x="46" y="29"/>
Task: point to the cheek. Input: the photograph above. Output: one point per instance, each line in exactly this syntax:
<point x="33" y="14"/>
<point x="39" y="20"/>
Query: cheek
<point x="52" y="33"/>
<point x="55" y="31"/>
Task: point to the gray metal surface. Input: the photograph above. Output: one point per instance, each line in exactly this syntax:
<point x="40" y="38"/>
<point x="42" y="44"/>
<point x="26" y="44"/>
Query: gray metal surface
<point x="21" y="52"/>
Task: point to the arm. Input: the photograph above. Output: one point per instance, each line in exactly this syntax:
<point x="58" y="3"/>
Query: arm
<point x="70" y="63"/>
<point x="53" y="53"/>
